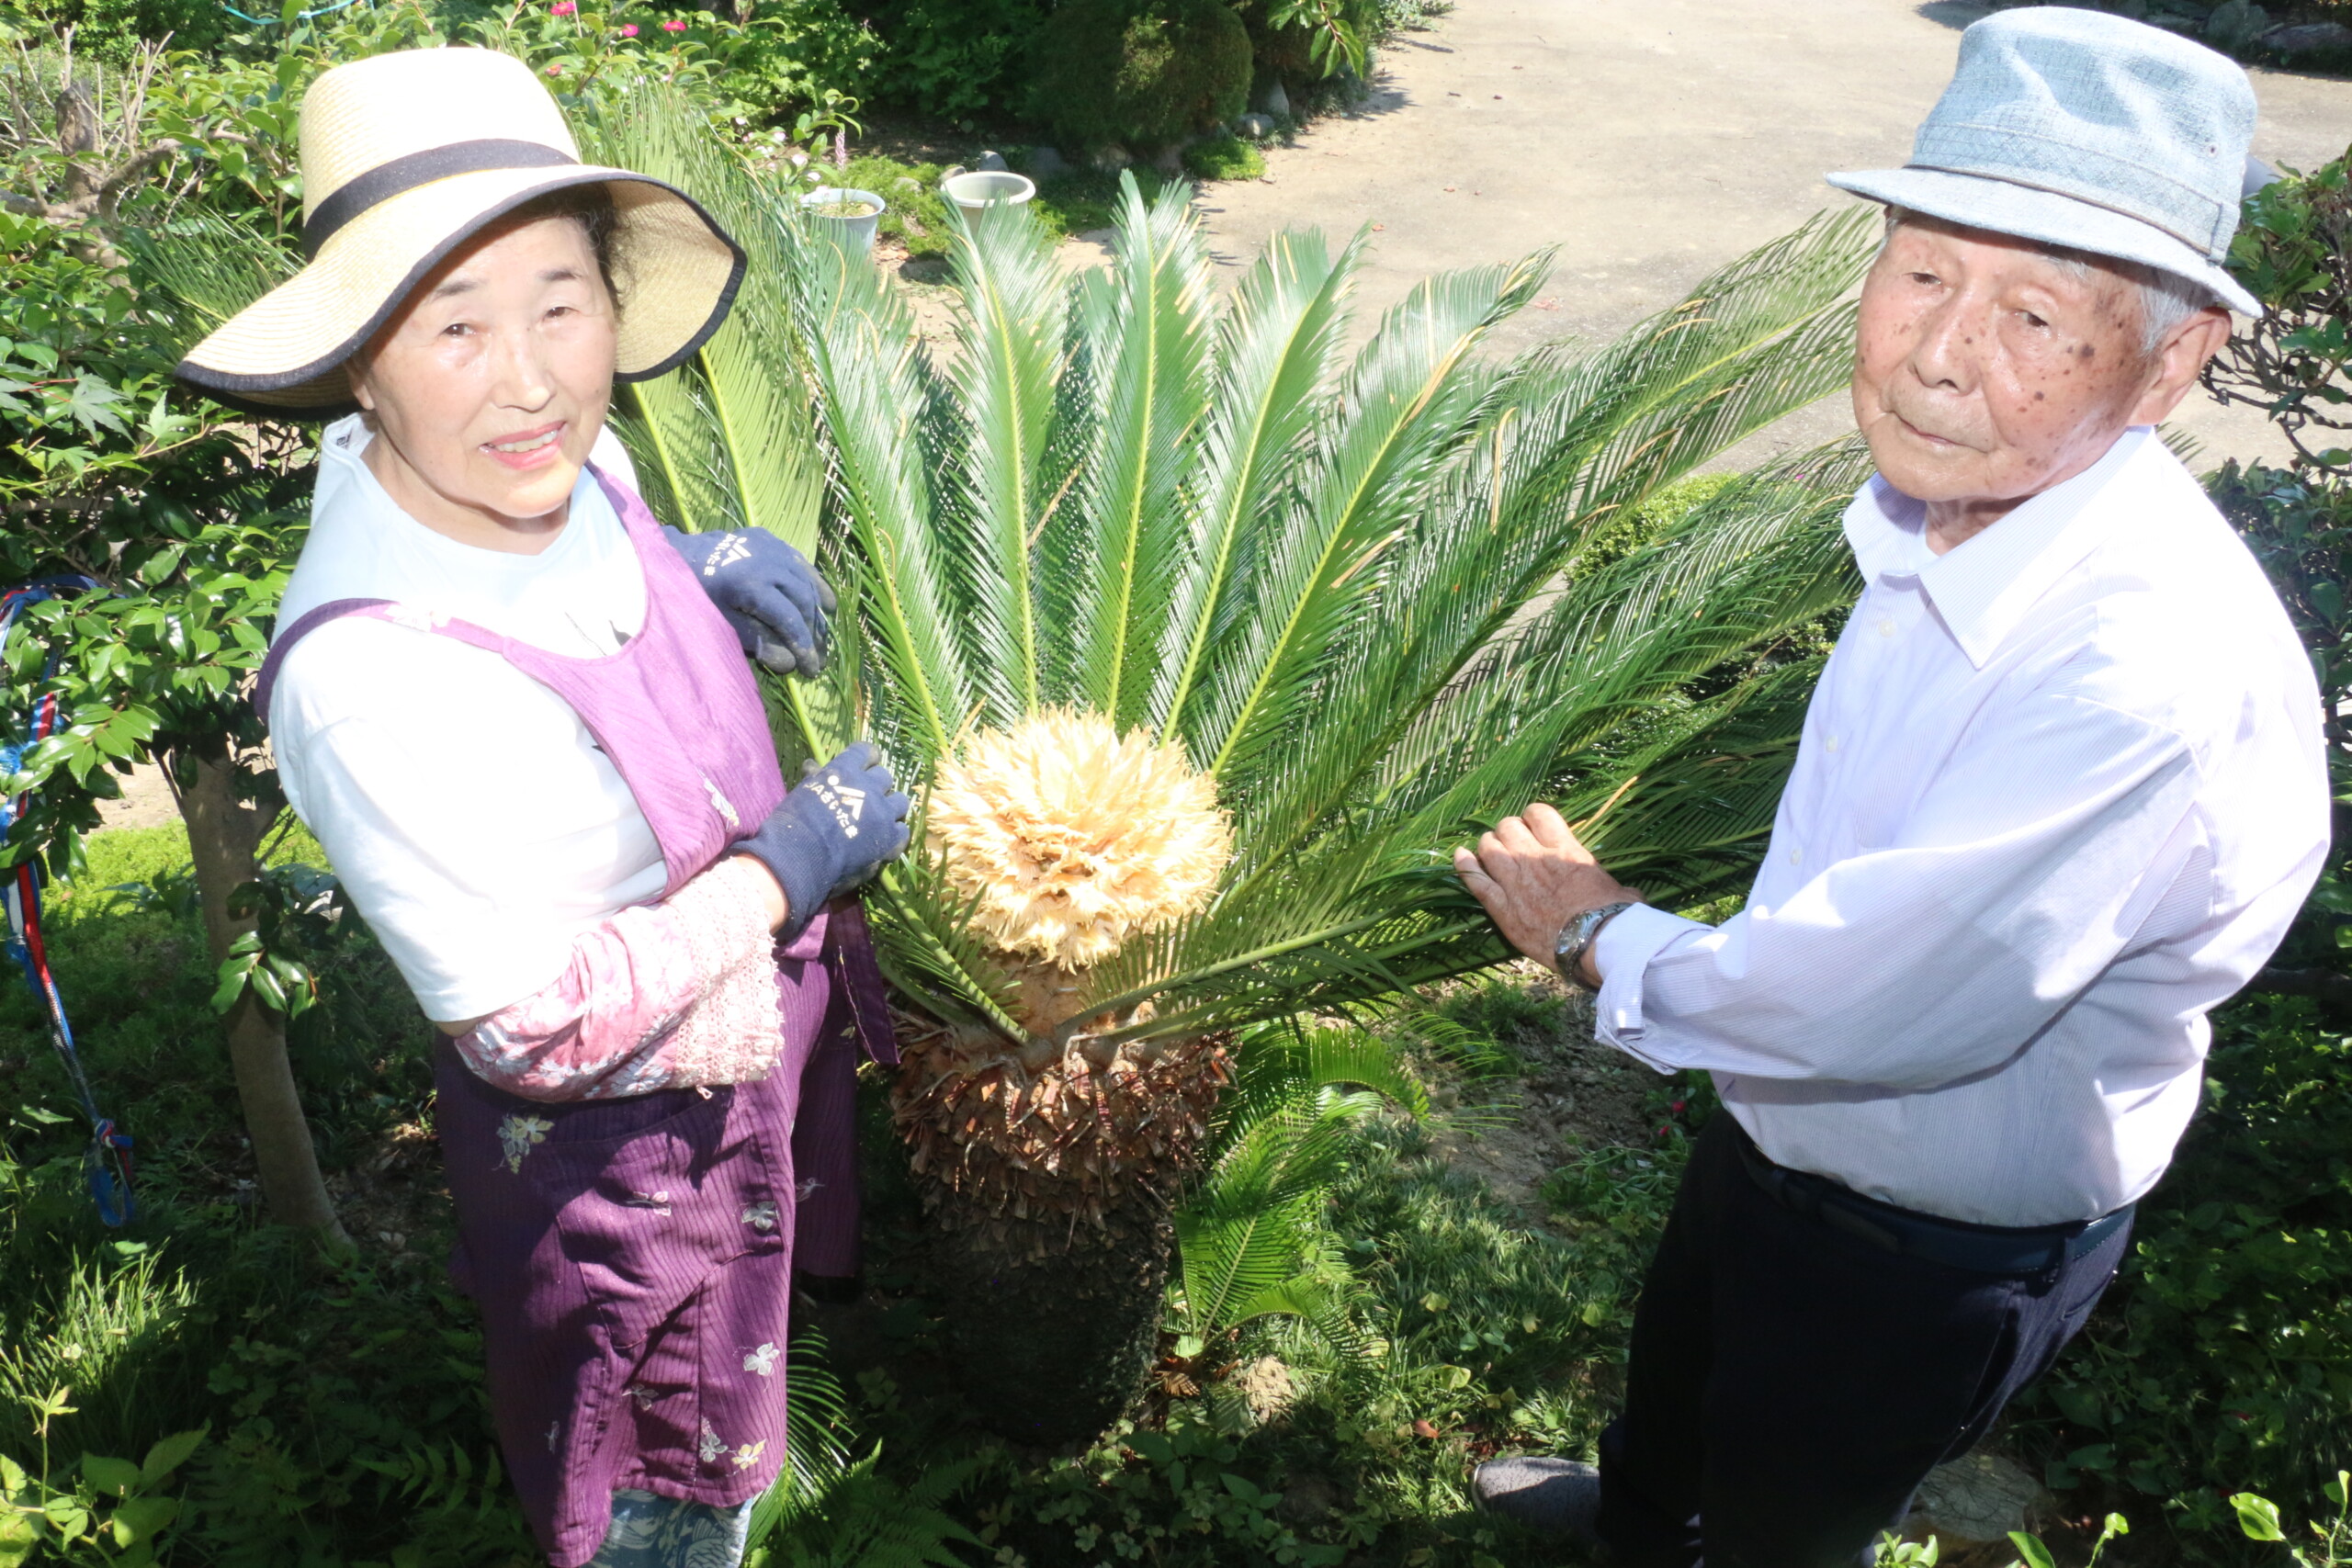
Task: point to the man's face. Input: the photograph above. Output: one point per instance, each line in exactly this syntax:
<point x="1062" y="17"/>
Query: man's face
<point x="1987" y="371"/>
<point x="490" y="386"/>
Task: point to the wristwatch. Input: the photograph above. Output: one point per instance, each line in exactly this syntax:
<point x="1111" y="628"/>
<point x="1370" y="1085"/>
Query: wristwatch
<point x="1577" y="937"/>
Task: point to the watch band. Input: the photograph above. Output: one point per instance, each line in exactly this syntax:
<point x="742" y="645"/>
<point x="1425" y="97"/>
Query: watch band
<point x="1576" y="938"/>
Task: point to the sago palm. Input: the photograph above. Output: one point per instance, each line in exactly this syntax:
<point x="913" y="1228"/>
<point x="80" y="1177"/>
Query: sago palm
<point x="1204" y="635"/>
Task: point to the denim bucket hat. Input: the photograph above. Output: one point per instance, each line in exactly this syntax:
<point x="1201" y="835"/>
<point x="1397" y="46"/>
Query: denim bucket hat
<point x="2078" y="129"/>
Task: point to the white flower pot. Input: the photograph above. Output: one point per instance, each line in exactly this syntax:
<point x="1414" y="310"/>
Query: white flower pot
<point x="857" y="231"/>
<point x="986" y="191"/>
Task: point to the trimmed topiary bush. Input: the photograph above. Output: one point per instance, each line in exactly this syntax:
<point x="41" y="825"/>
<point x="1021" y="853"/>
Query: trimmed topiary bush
<point x="1145" y="73"/>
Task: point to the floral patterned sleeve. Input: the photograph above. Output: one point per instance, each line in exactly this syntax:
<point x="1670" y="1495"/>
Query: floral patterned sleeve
<point x="663" y="996"/>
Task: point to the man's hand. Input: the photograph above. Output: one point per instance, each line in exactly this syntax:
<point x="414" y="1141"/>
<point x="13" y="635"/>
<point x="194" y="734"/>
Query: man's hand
<point x="1533" y="878"/>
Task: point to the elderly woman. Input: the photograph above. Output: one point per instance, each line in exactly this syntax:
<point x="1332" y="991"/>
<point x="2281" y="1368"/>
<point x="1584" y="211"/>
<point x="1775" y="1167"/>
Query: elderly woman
<point x="517" y="713"/>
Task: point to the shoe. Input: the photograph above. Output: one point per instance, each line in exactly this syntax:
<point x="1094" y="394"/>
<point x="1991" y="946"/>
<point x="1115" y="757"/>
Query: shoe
<point x="1555" y="1496"/>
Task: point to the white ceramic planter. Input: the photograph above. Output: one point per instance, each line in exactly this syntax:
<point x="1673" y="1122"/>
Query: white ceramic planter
<point x="986" y="191"/>
<point x="858" y="232"/>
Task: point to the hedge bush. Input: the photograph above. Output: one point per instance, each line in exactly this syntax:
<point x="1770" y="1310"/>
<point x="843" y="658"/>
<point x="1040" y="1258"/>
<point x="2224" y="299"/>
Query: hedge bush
<point x="1148" y="75"/>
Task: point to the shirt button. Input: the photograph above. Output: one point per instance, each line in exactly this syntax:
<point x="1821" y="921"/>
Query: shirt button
<point x="1831" y="743"/>
<point x="1796" y="857"/>
<point x="1886" y="628"/>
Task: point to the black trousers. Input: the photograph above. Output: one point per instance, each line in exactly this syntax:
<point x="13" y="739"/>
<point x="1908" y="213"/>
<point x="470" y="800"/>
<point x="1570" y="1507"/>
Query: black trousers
<point x="1791" y="1384"/>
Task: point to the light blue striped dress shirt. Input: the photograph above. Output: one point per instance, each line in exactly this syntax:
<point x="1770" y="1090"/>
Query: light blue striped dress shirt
<point x="2060" y="792"/>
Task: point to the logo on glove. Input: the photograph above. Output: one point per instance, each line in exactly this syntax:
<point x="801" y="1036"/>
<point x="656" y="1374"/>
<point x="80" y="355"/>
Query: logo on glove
<point x="836" y="795"/>
<point x="732" y="548"/>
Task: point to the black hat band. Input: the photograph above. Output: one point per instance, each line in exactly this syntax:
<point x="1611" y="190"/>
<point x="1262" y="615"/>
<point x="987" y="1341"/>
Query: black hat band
<point x="385" y="181"/>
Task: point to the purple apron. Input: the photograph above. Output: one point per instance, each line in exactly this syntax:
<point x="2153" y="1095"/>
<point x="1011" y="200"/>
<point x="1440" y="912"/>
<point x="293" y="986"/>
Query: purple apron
<point x="633" y="1258"/>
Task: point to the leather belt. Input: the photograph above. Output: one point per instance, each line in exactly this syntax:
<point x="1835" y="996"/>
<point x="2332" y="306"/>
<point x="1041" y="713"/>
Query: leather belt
<point x="1982" y="1249"/>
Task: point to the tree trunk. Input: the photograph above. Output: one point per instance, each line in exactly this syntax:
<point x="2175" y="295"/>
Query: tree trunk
<point x="225" y="834"/>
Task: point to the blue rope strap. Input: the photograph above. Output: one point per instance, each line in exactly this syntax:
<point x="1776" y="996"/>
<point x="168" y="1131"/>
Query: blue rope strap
<point x="105" y="1161"/>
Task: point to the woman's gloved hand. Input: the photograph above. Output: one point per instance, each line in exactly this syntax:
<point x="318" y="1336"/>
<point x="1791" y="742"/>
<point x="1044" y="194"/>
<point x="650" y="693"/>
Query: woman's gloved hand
<point x="843" y="823"/>
<point x="768" y="593"/>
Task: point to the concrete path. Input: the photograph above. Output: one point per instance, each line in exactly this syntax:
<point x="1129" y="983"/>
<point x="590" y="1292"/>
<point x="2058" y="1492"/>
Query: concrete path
<point x="1651" y="140"/>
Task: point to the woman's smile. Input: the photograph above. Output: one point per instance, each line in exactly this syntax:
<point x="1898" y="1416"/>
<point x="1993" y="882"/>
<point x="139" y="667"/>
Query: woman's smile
<point x="529" y="448"/>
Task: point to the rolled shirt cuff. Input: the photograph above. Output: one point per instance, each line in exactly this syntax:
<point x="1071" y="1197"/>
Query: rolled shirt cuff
<point x="1622" y="953"/>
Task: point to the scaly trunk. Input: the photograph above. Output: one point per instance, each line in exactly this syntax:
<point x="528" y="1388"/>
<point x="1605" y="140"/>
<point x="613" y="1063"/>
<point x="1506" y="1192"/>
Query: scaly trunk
<point x="1051" y="1349"/>
<point x="1049" y="1186"/>
<point x="224" y="835"/>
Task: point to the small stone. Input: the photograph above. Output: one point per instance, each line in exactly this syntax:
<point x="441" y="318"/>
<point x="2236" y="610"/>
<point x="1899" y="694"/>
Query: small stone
<point x="950" y="172"/>
<point x="2235" y="23"/>
<point x="1112" y="159"/>
<point x="1045" y="162"/>
<point x="993" y="162"/>
<point x="2307" y="36"/>
<point x="1275" y="101"/>
<point x="1978" y="1498"/>
<point x="906" y="182"/>
<point x="1169" y="161"/>
<point x="1255" y="127"/>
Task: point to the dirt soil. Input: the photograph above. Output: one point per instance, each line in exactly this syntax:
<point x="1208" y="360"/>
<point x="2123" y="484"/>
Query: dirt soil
<point x="1572" y="1093"/>
<point x="1651" y="140"/>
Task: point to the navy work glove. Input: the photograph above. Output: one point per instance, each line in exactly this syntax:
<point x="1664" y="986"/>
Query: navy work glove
<point x="768" y="593"/>
<point x="840" y="825"/>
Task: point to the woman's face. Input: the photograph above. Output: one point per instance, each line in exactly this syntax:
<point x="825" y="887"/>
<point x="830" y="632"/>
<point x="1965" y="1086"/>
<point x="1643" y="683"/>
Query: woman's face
<point x="488" y="389"/>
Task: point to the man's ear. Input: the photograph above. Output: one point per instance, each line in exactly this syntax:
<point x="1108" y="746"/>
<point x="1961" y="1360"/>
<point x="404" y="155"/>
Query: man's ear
<point x="2180" y="360"/>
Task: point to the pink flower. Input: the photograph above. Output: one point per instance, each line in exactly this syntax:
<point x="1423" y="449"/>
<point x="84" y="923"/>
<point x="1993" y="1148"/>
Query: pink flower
<point x="554" y="70"/>
<point x="563" y="8"/>
<point x="630" y="31"/>
<point x="675" y="25"/>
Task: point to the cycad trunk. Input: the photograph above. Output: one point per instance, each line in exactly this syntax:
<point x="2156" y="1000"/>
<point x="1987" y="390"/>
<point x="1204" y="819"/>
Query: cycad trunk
<point x="1050" y="1185"/>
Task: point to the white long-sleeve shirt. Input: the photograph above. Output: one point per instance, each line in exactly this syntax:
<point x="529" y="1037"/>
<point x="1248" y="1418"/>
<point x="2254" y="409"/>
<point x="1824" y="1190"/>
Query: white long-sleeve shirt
<point x="2059" y="794"/>
<point x="466" y="808"/>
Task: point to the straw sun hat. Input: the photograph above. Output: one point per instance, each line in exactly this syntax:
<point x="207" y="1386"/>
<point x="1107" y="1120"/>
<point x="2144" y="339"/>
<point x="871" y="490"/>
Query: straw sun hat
<point x="405" y="158"/>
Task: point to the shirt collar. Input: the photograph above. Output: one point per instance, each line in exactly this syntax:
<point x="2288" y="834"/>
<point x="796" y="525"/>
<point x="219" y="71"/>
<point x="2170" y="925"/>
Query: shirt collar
<point x="1984" y="587"/>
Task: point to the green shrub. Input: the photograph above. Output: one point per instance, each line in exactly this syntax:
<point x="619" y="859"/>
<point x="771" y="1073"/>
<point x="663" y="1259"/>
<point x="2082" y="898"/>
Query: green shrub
<point x="112" y="30"/>
<point x="2222" y="1356"/>
<point x="1226" y="157"/>
<point x="1312" y="40"/>
<point x="956" y="59"/>
<point x="1109" y="71"/>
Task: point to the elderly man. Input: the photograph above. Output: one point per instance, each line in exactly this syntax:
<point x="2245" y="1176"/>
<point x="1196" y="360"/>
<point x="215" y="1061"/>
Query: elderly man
<point x="2060" y="792"/>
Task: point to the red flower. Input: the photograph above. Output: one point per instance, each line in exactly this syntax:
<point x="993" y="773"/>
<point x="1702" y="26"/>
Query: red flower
<point x="563" y="8"/>
<point x="630" y="31"/>
<point x="675" y="25"/>
<point x="554" y="70"/>
<point x="1677" y="1106"/>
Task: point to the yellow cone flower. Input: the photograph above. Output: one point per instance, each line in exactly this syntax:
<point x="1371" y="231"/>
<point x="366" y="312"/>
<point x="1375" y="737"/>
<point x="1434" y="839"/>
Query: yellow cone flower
<point x="1073" y="838"/>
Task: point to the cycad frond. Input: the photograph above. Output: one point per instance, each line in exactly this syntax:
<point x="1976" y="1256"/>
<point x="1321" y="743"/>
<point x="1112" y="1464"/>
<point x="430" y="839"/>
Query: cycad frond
<point x="1015" y="312"/>
<point x="1400" y="410"/>
<point x="209" y="268"/>
<point x="1353" y="589"/>
<point x="1150" y="331"/>
<point x="1277" y="348"/>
